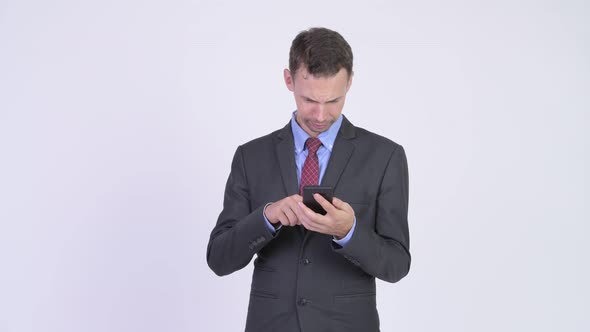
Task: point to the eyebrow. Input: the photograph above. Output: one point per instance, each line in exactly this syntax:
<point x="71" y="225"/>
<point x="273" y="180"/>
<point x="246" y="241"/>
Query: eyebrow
<point x="329" y="101"/>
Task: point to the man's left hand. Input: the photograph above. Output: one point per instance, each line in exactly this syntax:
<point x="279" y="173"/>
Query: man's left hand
<point x="337" y="221"/>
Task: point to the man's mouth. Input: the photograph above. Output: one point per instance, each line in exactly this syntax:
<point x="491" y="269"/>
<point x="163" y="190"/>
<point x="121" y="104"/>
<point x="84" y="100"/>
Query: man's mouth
<point x="318" y="125"/>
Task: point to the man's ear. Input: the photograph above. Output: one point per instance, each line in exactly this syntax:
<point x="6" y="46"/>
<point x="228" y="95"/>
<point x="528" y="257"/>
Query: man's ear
<point x="289" y="80"/>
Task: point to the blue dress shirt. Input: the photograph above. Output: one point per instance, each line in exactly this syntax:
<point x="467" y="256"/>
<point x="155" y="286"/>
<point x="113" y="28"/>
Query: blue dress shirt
<point x="327" y="138"/>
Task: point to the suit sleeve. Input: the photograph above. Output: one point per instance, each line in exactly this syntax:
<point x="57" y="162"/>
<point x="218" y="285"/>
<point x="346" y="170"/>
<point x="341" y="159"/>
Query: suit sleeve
<point x="383" y="250"/>
<point x="240" y="231"/>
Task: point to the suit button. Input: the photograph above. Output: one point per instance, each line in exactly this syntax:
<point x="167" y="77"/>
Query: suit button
<point x="305" y="261"/>
<point x="303" y="302"/>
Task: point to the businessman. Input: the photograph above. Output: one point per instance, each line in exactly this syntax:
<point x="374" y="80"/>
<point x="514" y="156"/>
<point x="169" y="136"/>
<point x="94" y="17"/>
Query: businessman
<point x="315" y="272"/>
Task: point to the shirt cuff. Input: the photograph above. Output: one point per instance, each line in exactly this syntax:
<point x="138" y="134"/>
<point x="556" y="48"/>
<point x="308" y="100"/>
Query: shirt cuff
<point x="270" y="226"/>
<point x="343" y="241"/>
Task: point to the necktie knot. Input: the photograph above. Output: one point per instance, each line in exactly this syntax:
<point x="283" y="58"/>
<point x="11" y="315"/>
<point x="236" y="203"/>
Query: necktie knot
<point x="313" y="144"/>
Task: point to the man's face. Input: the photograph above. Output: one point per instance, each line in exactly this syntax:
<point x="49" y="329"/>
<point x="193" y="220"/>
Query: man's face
<point x="319" y="99"/>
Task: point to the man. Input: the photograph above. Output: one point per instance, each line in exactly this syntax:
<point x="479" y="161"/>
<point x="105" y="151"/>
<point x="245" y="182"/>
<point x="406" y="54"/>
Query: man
<point x="315" y="272"/>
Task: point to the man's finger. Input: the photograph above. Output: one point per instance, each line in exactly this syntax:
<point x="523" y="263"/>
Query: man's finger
<point x="342" y="205"/>
<point x="311" y="218"/>
<point x="310" y="224"/>
<point x="291" y="216"/>
<point x="324" y="202"/>
<point x="337" y="202"/>
<point x="283" y="220"/>
<point x="302" y="216"/>
<point x="307" y="212"/>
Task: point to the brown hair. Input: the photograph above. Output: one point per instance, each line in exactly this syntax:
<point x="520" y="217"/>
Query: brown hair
<point x="322" y="51"/>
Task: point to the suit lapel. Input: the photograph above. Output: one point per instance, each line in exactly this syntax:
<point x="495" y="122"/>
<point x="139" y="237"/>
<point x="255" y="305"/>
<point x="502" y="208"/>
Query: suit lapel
<point x="285" y="150"/>
<point x="341" y="154"/>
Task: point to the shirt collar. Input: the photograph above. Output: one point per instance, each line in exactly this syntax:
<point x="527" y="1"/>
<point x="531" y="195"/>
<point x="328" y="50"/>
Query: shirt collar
<point x="327" y="137"/>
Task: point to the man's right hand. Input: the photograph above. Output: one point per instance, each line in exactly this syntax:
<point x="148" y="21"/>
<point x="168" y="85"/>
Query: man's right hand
<point x="283" y="211"/>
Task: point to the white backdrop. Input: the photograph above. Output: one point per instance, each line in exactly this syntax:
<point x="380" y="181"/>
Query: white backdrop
<point x="119" y="119"/>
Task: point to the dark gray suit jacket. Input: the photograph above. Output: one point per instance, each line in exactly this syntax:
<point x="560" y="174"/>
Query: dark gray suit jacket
<point x="302" y="280"/>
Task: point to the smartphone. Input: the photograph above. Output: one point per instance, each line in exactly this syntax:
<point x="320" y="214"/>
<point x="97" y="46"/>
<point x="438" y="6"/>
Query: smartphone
<point x="311" y="203"/>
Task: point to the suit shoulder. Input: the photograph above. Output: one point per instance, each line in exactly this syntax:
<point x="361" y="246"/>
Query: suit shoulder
<point x="261" y="142"/>
<point x="379" y="142"/>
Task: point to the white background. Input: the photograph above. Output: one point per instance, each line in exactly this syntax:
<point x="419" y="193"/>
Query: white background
<point x="119" y="119"/>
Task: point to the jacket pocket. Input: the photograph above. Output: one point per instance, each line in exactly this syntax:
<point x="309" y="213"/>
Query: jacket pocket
<point x="356" y="312"/>
<point x="264" y="282"/>
<point x="264" y="268"/>
<point x="263" y="294"/>
<point x="353" y="298"/>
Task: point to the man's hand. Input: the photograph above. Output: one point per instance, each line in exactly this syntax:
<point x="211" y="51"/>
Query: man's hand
<point x="284" y="211"/>
<point x="337" y="221"/>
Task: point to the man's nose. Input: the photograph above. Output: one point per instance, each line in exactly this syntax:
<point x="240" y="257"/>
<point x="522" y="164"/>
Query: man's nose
<point x="321" y="113"/>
